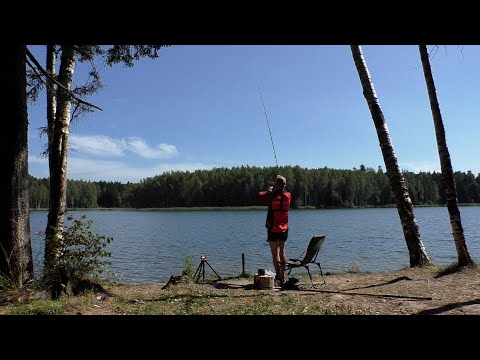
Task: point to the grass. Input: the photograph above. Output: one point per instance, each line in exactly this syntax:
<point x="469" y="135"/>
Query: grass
<point x="247" y="276"/>
<point x="193" y="300"/>
<point x="39" y="307"/>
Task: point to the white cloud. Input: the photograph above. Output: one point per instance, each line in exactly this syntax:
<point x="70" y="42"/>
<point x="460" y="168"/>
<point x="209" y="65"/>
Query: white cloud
<point x="109" y="170"/>
<point x="97" y="145"/>
<point x="104" y="146"/>
<point x="109" y="161"/>
<point x="140" y="147"/>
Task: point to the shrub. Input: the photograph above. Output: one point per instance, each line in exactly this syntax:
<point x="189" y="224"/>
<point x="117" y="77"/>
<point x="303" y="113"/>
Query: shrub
<point x="84" y="254"/>
<point x="188" y="271"/>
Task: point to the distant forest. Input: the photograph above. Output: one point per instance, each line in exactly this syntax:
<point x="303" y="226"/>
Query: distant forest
<point x="238" y="186"/>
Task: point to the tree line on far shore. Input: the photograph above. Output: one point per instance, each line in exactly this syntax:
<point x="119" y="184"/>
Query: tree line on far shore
<point x="237" y="186"/>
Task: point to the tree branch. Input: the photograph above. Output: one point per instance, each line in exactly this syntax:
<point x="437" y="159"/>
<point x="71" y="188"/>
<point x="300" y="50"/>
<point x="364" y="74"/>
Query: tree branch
<point x="77" y="49"/>
<point x="36" y="73"/>
<point x="51" y="78"/>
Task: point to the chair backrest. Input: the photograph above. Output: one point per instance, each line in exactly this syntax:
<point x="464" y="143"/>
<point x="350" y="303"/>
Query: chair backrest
<point x="313" y="249"/>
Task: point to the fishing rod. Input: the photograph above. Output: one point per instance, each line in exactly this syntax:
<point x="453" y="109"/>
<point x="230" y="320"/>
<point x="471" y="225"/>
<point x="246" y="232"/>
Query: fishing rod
<point x="265" y="112"/>
<point x="268" y="123"/>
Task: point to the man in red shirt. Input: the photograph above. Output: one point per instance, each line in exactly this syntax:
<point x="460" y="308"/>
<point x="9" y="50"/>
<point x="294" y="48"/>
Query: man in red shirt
<point x="278" y="201"/>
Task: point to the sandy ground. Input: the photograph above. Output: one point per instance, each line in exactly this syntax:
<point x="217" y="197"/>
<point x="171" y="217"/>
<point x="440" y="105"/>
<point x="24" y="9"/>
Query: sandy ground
<point x="407" y="291"/>
<point x="402" y="292"/>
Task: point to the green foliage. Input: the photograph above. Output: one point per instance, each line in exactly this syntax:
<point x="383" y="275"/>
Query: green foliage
<point x="126" y="54"/>
<point x="188" y="271"/>
<point x="34" y="85"/>
<point x="84" y="252"/>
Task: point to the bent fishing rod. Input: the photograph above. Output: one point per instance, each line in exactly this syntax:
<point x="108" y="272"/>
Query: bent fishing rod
<point x="266" y="115"/>
<point x="268" y="123"/>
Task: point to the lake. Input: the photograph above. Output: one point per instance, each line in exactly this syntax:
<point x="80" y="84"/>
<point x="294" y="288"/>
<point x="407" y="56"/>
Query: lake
<point x="150" y="246"/>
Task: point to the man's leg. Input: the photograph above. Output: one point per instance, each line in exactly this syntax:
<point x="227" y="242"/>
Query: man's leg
<point x="274" y="245"/>
<point x="282" y="260"/>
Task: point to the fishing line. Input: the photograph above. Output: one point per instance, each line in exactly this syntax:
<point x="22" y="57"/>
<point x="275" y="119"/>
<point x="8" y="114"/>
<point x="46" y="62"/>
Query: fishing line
<point x="264" y="111"/>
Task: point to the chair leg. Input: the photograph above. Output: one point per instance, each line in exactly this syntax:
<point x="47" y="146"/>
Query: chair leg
<point x="321" y="273"/>
<point x="306" y="267"/>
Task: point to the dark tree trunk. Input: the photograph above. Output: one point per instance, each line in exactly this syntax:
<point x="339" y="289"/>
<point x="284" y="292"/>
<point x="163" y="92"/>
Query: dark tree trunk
<point x="58" y="163"/>
<point x="16" y="250"/>
<point x="445" y="163"/>
<point x="418" y="255"/>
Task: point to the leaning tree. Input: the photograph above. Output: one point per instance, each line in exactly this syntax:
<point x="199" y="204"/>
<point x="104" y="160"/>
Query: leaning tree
<point x="448" y="179"/>
<point x="416" y="249"/>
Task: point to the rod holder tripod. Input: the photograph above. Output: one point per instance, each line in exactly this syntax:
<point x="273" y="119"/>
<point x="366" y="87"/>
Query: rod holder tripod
<point x="201" y="269"/>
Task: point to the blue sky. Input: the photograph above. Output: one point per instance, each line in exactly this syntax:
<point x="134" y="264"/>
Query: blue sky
<point x="199" y="107"/>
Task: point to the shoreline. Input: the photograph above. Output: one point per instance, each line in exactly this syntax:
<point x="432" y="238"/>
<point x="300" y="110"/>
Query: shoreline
<point x="246" y="208"/>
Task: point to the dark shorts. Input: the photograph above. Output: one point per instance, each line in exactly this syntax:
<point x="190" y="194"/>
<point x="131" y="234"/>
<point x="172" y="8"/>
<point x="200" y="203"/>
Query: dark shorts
<point x="274" y="236"/>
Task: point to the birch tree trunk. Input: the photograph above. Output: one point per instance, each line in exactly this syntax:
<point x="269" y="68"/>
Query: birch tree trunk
<point x="445" y="163"/>
<point x="58" y="163"/>
<point x="15" y="244"/>
<point x="416" y="249"/>
<point x="51" y="100"/>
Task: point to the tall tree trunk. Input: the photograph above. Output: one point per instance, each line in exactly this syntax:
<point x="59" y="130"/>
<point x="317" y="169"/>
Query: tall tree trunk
<point x="445" y="163"/>
<point x="51" y="100"/>
<point x="418" y="255"/>
<point x="58" y="163"/>
<point x="16" y="261"/>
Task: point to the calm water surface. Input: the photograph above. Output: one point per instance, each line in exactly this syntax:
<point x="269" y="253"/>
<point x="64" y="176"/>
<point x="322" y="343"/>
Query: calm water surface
<point x="150" y="246"/>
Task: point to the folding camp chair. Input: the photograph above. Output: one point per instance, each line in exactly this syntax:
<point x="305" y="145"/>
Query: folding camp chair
<point x="310" y="257"/>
